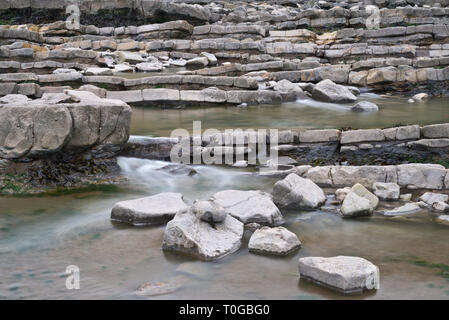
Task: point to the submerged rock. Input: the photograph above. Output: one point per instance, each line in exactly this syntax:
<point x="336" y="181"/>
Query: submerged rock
<point x="298" y="193"/>
<point x="444" y="219"/>
<point x="276" y="241"/>
<point x="328" y="91"/>
<point x="178" y="169"/>
<point x="249" y="206"/>
<point x="365" y="106"/>
<point x="150" y="289"/>
<point x="156" y="209"/>
<point x="188" y="234"/>
<point x="342" y="273"/>
<point x="387" y="191"/>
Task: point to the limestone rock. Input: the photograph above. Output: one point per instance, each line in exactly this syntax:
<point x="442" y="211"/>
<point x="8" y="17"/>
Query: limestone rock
<point x="365" y="106"/>
<point x="209" y="211"/>
<point x="328" y="91"/>
<point x="355" y="206"/>
<point x="155" y="209"/>
<point x="276" y="241"/>
<point x="341" y="273"/>
<point x="430" y="197"/>
<point x="387" y="191"/>
<point x="298" y="193"/>
<point x="188" y="234"/>
<point x="249" y="206"/>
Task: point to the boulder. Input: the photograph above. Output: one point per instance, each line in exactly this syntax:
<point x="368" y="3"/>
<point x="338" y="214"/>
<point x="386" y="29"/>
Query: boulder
<point x="209" y="211"/>
<point x="276" y="241"/>
<point x="156" y="209"/>
<point x="249" y="206"/>
<point x="420" y="96"/>
<point x="430" y="197"/>
<point x="387" y="191"/>
<point x="328" y="91"/>
<point x="444" y="219"/>
<point x="406" y="209"/>
<point x="340" y="194"/>
<point x="297" y="193"/>
<point x="342" y="273"/>
<point x="365" y="106"/>
<point x="440" y="206"/>
<point x="188" y="234"/>
<point x="149" y="66"/>
<point x="361" y="191"/>
<point x="355" y="206"/>
<point x="421" y="175"/>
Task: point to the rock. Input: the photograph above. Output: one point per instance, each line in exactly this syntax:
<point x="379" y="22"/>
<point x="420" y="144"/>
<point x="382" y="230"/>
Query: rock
<point x="149" y="66"/>
<point x="276" y="241"/>
<point x="98" y="71"/>
<point x="203" y="61"/>
<point x="365" y="106"/>
<point x="122" y="67"/>
<point x="14" y="98"/>
<point x="240" y="164"/>
<point x="252" y="226"/>
<point x="405" y="197"/>
<point x="440" y="206"/>
<point x="249" y="206"/>
<point x="342" y="273"/>
<point x="285" y="86"/>
<point x="420" y="175"/>
<point x="188" y="234"/>
<point x="431" y="197"/>
<point x="156" y="209"/>
<point x="340" y="194"/>
<point x="387" y="191"/>
<point x="363" y="192"/>
<point x="420" y="96"/>
<point x="151" y="289"/>
<point x="131" y="57"/>
<point x="211" y="57"/>
<point x="406" y="209"/>
<point x="242" y="105"/>
<point x="444" y="219"/>
<point x="209" y="211"/>
<point x="297" y="193"/>
<point x="355" y="206"/>
<point x="328" y="91"/>
<point x="178" y="169"/>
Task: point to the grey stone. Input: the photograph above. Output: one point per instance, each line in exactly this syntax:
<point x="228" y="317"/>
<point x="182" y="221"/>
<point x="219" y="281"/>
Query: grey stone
<point x="276" y="241"/>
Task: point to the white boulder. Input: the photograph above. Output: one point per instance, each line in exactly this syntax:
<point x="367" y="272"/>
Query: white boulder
<point x="276" y="241"/>
<point x="387" y="190"/>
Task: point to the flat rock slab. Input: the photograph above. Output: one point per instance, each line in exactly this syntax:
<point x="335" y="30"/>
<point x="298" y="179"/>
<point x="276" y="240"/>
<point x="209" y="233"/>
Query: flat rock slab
<point x="156" y="209"/>
<point x="342" y="273"/>
<point x="249" y="206"/>
<point x="207" y="241"/>
<point x="404" y="210"/>
<point x="276" y="241"/>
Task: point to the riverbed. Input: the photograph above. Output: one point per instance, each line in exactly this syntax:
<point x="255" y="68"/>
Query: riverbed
<point x="41" y="235"/>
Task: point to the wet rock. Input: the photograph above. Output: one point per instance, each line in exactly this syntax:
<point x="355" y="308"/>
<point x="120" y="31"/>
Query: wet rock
<point x="188" y="234"/>
<point x="420" y="96"/>
<point x="276" y="241"/>
<point x="361" y="191"/>
<point x="365" y="106"/>
<point x="430" y="197"/>
<point x="355" y="206"/>
<point x="249" y="206"/>
<point x="156" y="209"/>
<point x="298" y="193"/>
<point x="178" y="169"/>
<point x="151" y="289"/>
<point x="406" y="209"/>
<point x="444" y="219"/>
<point x="342" y="273"/>
<point x="440" y="206"/>
<point x="328" y="91"/>
<point x="209" y="211"/>
<point x="340" y="194"/>
<point x="387" y="191"/>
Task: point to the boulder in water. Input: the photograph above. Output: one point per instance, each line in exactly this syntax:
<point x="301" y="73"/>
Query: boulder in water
<point x="386" y="190"/>
<point x="276" y="241"/>
<point x="156" y="209"/>
<point x="342" y="273"/>
<point x="209" y="211"/>
<point x="328" y="91"/>
<point x="365" y="106"/>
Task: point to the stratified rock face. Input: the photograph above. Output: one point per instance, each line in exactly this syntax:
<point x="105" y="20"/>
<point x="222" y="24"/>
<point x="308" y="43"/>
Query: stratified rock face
<point x="43" y="127"/>
<point x="328" y="91"/>
<point x="276" y="241"/>
<point x="298" y="193"/>
<point x="156" y="209"/>
<point x="249" y="206"/>
<point x="341" y="273"/>
<point x="188" y="234"/>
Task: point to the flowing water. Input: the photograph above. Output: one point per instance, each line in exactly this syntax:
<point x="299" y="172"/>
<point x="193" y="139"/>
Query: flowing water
<point x="41" y="235"/>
